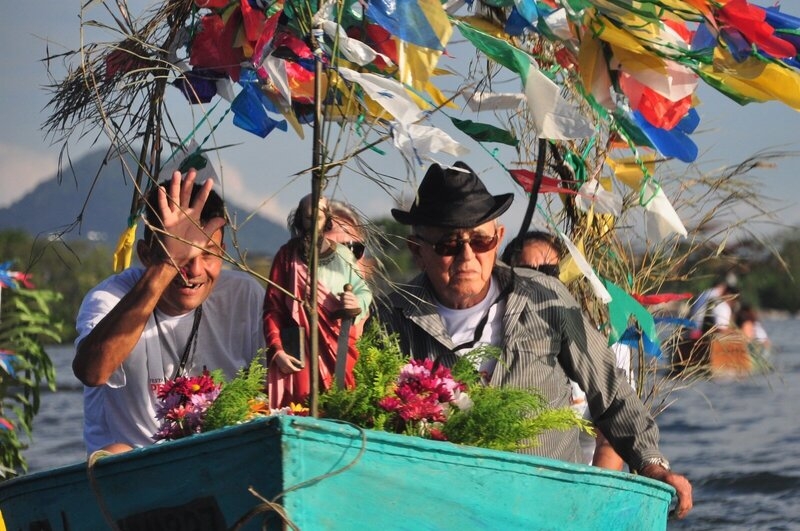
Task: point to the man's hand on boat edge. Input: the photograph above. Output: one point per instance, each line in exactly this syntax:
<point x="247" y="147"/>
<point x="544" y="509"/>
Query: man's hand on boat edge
<point x="681" y="485"/>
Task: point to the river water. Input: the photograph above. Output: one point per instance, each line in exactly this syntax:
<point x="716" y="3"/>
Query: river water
<point x="738" y="441"/>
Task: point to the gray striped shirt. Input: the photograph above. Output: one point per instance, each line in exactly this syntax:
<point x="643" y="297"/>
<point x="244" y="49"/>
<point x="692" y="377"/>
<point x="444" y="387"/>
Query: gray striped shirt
<point x="546" y="341"/>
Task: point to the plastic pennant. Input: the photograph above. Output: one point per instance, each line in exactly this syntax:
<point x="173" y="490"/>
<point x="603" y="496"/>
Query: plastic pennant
<point x="621" y="309"/>
<point x="774" y="83"/>
<point x="631" y="338"/>
<point x="493" y="101"/>
<point x="658" y="110"/>
<point x="7" y="362"/>
<point x="554" y="117"/>
<point x="597" y="286"/>
<point x="420" y="22"/>
<point x="198" y="85"/>
<point x="481" y="132"/>
<point x="416" y="65"/>
<point x="212" y="46"/>
<point x="124" y="249"/>
<point x="525" y="178"/>
<point x="388" y="93"/>
<point x="250" y="114"/>
<point x="419" y="142"/>
<point x="664" y="219"/>
<point x="750" y="21"/>
<point x="661" y="298"/>
<point x="499" y="50"/>
<point x="631" y="170"/>
<point x="594" y="71"/>
<point x="673" y="143"/>
<point x="352" y="49"/>
<point x="592" y="195"/>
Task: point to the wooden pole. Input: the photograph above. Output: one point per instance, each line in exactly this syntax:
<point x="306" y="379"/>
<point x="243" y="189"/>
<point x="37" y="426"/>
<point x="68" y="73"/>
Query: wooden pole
<point x="317" y="183"/>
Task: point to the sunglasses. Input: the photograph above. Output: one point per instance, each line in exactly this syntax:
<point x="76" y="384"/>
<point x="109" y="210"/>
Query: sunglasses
<point x="479" y="243"/>
<point x="552" y="270"/>
<point x="357" y="248"/>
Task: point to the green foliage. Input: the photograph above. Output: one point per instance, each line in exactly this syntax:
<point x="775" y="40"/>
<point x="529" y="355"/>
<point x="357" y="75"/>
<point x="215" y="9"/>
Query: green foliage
<point x="375" y="374"/>
<point x="27" y="323"/>
<point x="504" y="418"/>
<point x="500" y="418"/>
<point x="71" y="269"/>
<point x="232" y="406"/>
<point x="464" y="368"/>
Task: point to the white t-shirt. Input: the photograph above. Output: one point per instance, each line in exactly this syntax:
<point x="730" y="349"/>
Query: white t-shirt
<point x="723" y="314"/>
<point x="461" y="325"/>
<point x="229" y="336"/>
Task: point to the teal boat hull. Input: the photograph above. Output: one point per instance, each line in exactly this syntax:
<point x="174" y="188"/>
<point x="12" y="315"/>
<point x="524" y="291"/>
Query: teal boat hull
<point x="322" y="474"/>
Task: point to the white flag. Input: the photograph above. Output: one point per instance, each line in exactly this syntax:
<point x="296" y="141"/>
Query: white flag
<point x="592" y="193"/>
<point x="388" y="93"/>
<point x="553" y="117"/>
<point x="418" y="142"/>
<point x="665" y="220"/>
<point x="353" y="49"/>
<point x="599" y="289"/>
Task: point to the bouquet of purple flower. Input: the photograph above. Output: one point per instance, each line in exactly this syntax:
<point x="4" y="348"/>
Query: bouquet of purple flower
<point x="184" y="403"/>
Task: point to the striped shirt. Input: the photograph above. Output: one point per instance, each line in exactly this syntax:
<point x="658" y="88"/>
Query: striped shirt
<point x="546" y="341"/>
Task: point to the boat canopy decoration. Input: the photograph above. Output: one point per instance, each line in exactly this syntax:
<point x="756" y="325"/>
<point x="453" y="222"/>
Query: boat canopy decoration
<point x="608" y="87"/>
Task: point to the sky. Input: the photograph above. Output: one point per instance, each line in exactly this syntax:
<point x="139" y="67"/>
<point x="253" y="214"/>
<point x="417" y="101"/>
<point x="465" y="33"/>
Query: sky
<point x="255" y="171"/>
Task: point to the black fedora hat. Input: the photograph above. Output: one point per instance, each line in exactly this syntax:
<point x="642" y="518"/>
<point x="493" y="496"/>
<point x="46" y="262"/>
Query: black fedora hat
<point x="454" y="198"/>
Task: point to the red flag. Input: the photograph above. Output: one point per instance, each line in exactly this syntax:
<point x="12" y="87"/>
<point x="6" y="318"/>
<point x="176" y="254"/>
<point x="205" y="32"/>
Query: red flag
<point x="661" y="298"/>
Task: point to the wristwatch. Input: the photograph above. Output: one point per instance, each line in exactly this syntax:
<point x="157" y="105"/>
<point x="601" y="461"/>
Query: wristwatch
<point x="660" y="461"/>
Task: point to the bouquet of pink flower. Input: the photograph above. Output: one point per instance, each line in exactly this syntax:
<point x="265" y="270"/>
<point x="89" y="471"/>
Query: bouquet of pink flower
<point x="411" y="397"/>
<point x="184" y="403"/>
<point x="423" y="398"/>
<point x="196" y="404"/>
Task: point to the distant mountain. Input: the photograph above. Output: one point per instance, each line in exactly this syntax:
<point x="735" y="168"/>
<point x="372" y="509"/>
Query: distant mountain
<point x="54" y="207"/>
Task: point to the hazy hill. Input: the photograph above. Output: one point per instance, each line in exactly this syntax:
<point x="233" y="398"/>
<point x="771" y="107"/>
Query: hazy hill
<point x="53" y="207"/>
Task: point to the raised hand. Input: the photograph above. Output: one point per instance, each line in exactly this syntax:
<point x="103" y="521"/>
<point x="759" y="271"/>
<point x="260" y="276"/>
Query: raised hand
<point x="186" y="237"/>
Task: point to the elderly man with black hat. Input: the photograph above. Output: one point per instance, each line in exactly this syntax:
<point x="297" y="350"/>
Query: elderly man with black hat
<point x="464" y="298"/>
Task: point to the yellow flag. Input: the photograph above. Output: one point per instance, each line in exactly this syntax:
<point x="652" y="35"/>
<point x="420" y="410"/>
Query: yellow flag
<point x="773" y="82"/>
<point x="415" y="68"/>
<point x="607" y="31"/>
<point x="629" y="169"/>
<point x="568" y="268"/>
<point x="594" y="70"/>
<point x="124" y="251"/>
<point x="486" y="26"/>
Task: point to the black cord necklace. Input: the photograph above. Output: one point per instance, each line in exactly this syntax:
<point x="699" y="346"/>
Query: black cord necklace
<point x="191" y="342"/>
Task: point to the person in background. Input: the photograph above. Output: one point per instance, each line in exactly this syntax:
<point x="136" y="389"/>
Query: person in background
<point x="463" y="299"/>
<point x="541" y="251"/>
<point x="287" y="327"/>
<point x="713" y="309"/>
<point x="537" y="250"/>
<point x="177" y="315"/>
<point x="748" y="322"/>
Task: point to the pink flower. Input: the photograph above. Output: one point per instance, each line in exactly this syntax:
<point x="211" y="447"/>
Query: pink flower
<point x="184" y="403"/>
<point x="422" y="397"/>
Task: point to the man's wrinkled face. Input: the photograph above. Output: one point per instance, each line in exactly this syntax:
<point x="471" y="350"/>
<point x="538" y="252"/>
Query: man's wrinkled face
<point x="458" y="262"/>
<point x="193" y="285"/>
